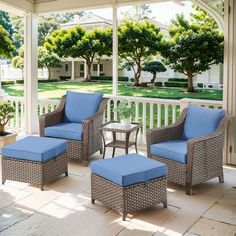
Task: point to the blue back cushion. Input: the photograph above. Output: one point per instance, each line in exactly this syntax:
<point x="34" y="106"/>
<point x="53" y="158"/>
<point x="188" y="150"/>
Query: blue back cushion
<point x="201" y="121"/>
<point x="80" y="106"/>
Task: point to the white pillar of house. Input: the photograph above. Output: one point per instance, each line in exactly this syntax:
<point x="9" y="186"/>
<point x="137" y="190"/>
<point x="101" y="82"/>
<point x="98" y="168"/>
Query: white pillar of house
<point x="98" y="70"/>
<point x="72" y="70"/>
<point x="115" y="51"/>
<point x="85" y="70"/>
<point x="229" y="97"/>
<point x="30" y="73"/>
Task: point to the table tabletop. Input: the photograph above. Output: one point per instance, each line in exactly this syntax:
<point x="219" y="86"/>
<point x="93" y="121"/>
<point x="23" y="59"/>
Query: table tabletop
<point x="116" y="126"/>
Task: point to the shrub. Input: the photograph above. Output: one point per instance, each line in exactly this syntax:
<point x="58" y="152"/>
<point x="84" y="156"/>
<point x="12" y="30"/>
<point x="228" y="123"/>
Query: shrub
<point x="109" y="78"/>
<point x="131" y="80"/>
<point x="143" y="84"/>
<point x="176" y="84"/>
<point x="47" y="81"/>
<point x="8" y="82"/>
<point x="64" y="78"/>
<point x="158" y="84"/>
<point x="178" y="79"/>
<point x="19" y="81"/>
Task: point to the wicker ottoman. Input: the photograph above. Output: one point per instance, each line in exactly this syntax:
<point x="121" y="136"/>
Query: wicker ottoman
<point x="129" y="183"/>
<point x="34" y="160"/>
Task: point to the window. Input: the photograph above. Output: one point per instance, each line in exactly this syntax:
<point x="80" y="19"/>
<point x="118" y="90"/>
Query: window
<point x="95" y="67"/>
<point x="81" y="67"/>
<point x="66" y="67"/>
<point x="101" y="67"/>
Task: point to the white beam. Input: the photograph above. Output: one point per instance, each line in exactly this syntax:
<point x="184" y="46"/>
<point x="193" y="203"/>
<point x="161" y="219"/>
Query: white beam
<point x="30" y="73"/>
<point x="98" y="69"/>
<point x="229" y="97"/>
<point x="72" y="70"/>
<point x="115" y="51"/>
<point x="85" y="70"/>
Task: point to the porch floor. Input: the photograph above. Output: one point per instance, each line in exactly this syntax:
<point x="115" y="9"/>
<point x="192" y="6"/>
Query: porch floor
<point x="64" y="208"/>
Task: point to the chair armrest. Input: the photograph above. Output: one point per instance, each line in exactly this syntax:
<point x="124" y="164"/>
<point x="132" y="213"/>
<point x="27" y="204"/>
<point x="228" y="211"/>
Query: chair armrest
<point x="52" y="118"/>
<point x="171" y="132"/>
<point x="205" y="154"/>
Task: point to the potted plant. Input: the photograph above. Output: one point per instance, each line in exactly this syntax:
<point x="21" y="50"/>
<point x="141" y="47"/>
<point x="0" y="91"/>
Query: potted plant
<point x="124" y="111"/>
<point x="6" y="113"/>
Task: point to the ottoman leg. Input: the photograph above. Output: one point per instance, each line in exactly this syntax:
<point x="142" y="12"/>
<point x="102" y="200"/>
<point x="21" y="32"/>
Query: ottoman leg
<point x="66" y="173"/>
<point x="3" y="181"/>
<point x="92" y="200"/>
<point x="41" y="187"/>
<point x="165" y="204"/>
<point x="124" y="216"/>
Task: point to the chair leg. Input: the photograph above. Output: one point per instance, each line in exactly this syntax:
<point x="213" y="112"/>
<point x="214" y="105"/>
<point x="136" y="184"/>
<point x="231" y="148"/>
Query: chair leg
<point x="92" y="200"/>
<point x="66" y="173"/>
<point x="101" y="151"/>
<point x="123" y="216"/>
<point x="189" y="191"/>
<point x="3" y="181"/>
<point x="165" y="204"/>
<point x="221" y="178"/>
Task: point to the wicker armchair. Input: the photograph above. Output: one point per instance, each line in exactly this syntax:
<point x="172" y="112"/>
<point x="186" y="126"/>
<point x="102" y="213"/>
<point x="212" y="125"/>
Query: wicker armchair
<point x="204" y="154"/>
<point x="91" y="141"/>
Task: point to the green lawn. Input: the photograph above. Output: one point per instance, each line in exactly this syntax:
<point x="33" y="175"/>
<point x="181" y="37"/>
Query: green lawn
<point x="56" y="90"/>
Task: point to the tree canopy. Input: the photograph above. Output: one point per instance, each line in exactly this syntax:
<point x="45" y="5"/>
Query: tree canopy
<point x="193" y="47"/>
<point x="137" y="42"/>
<point x="154" y="67"/>
<point x="76" y="43"/>
<point x="6" y="46"/>
<point x="48" y="59"/>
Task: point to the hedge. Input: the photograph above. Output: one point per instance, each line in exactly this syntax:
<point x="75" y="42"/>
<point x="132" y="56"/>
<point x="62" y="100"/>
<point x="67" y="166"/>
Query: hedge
<point x="176" y="84"/>
<point x="109" y="78"/>
<point x="63" y="78"/>
<point x="158" y="84"/>
<point x="39" y="81"/>
<point x="178" y="80"/>
<point x="8" y="82"/>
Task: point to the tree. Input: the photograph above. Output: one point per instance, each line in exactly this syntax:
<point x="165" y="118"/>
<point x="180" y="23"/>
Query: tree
<point x="154" y="67"/>
<point x="78" y="43"/>
<point x="192" y="48"/>
<point x="137" y="42"/>
<point x="6" y="46"/>
<point x="18" y="61"/>
<point x="137" y="12"/>
<point x="48" y="59"/>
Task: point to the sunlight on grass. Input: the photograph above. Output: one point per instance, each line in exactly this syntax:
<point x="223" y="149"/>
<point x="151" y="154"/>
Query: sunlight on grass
<point x="56" y="90"/>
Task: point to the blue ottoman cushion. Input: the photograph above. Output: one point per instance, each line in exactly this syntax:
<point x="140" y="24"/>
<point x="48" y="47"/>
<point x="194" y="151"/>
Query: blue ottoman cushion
<point x="35" y="149"/>
<point x="129" y="169"/>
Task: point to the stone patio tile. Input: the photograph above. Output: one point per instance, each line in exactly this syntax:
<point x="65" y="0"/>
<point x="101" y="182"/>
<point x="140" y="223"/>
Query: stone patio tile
<point x="37" y="225"/>
<point x="11" y="215"/>
<point x="222" y="213"/>
<point x="229" y="198"/>
<point x="209" y="227"/>
<point x="9" y="195"/>
<point x="149" y="221"/>
<point x="34" y="201"/>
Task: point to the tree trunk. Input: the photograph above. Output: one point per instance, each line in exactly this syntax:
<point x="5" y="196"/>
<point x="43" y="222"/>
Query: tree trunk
<point x="137" y="75"/>
<point x="190" y="82"/>
<point x="154" y="77"/>
<point x="49" y="73"/>
<point x="2" y="130"/>
<point x="89" y="65"/>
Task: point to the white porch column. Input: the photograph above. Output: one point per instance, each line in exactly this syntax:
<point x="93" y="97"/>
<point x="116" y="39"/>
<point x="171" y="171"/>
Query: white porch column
<point x="72" y="70"/>
<point x="230" y="75"/>
<point x="98" y="70"/>
<point x="30" y="73"/>
<point x="115" y="51"/>
<point x="85" y="70"/>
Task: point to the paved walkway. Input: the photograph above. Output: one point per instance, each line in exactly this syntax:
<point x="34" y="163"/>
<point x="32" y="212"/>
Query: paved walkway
<point x="64" y="208"/>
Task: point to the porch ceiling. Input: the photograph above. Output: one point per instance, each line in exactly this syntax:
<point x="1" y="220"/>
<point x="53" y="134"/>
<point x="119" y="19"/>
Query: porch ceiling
<point x="48" y="6"/>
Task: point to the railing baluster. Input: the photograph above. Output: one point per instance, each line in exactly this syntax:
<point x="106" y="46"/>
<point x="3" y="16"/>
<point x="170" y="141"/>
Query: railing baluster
<point x="173" y="114"/>
<point x="144" y="121"/>
<point x="166" y="114"/>
<point x="22" y="114"/>
<point x="115" y="107"/>
<point x="151" y="115"/>
<point x="159" y="115"/>
<point x="136" y="112"/>
<point x="109" y="110"/>
<point x="17" y="114"/>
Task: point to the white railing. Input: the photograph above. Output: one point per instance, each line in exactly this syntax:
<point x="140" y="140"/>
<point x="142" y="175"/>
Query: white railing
<point x="152" y="112"/>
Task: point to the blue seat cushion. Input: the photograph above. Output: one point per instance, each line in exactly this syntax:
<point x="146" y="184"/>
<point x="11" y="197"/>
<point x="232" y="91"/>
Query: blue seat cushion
<point x="128" y="169"/>
<point x="65" y="130"/>
<point x="201" y="121"/>
<point x="34" y="148"/>
<point x="174" y="150"/>
<point x="80" y="106"/>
